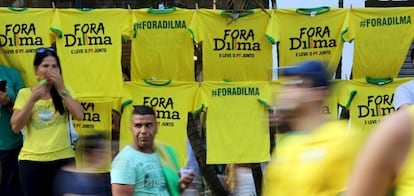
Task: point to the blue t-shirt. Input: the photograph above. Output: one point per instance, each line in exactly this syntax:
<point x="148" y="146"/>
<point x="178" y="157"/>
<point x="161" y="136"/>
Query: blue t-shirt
<point x="140" y="169"/>
<point x="8" y="139"/>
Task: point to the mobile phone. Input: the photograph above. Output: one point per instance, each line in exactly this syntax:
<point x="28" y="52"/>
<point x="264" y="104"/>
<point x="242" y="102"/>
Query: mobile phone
<point x="186" y="171"/>
<point x="3" y="84"/>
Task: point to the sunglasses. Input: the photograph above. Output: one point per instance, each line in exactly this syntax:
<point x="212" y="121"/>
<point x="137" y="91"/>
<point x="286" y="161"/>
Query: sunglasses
<point x="43" y="50"/>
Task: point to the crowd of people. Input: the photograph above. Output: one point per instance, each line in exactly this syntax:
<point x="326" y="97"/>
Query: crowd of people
<point x="313" y="155"/>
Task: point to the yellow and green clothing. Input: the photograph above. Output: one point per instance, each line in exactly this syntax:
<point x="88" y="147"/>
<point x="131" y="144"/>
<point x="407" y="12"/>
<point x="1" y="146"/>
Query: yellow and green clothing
<point x="22" y="31"/>
<point x="236" y="110"/>
<point x="171" y="100"/>
<point x="233" y="44"/>
<point x="89" y="44"/>
<point x="46" y="134"/>
<point x="382" y="38"/>
<point x="170" y="165"/>
<point x="368" y="102"/>
<point x="308" y="34"/>
<point x="330" y="104"/>
<point x="98" y="119"/>
<point x="312" y="162"/>
<point x="162" y="46"/>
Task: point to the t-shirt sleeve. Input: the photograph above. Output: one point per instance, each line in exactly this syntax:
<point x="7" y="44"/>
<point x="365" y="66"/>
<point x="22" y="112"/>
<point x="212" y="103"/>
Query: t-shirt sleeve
<point x="195" y="28"/>
<point x="55" y="27"/>
<point x="21" y="99"/>
<point x="270" y="32"/>
<point x="122" y="170"/>
<point x="403" y="95"/>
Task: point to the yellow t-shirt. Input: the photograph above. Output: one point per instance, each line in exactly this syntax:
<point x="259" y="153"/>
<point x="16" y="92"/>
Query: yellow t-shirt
<point x="308" y="34"/>
<point x="97" y="119"/>
<point x="234" y="44"/>
<point x="46" y="134"/>
<point x="312" y="162"/>
<point x="171" y="100"/>
<point x="236" y="110"/>
<point x="330" y="105"/>
<point x="89" y="44"/>
<point x="368" y="103"/>
<point x="162" y="46"/>
<point x="23" y="30"/>
<point x="382" y="38"/>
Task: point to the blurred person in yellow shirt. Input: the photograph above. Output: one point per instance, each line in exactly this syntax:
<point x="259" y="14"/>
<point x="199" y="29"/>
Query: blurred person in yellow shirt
<point x="313" y="155"/>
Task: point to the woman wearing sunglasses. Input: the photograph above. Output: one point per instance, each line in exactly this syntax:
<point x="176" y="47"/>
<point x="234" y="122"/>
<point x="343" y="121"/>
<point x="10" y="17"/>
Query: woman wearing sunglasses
<point x="43" y="110"/>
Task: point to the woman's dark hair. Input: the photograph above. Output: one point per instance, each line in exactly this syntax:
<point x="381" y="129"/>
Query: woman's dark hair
<point x="42" y="53"/>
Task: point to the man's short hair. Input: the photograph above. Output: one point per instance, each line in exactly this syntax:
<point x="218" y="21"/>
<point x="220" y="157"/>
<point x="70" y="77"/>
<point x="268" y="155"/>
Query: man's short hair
<point x="143" y="110"/>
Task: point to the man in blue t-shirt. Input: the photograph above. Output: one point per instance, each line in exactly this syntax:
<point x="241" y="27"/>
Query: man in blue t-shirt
<point x="10" y="142"/>
<point x="147" y="167"/>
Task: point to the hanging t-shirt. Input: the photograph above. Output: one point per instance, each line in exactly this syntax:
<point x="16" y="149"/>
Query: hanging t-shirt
<point x="308" y="34"/>
<point x="97" y="119"/>
<point x="233" y="44"/>
<point x="171" y="100"/>
<point x="237" y="126"/>
<point x="22" y="31"/>
<point x="89" y="45"/>
<point x="368" y="102"/>
<point x="330" y="105"/>
<point x="162" y="46"/>
<point x="382" y="37"/>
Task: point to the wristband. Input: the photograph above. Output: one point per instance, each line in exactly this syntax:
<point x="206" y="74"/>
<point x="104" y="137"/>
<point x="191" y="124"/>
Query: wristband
<point x="63" y="93"/>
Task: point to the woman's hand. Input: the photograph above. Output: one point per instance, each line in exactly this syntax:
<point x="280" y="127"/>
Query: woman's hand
<point x="56" y="79"/>
<point x="39" y="91"/>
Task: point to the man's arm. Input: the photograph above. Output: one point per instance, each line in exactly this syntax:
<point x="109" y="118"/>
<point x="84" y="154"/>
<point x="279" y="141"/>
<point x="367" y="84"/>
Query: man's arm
<point x="122" y="190"/>
<point x="382" y="156"/>
<point x="405" y="105"/>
